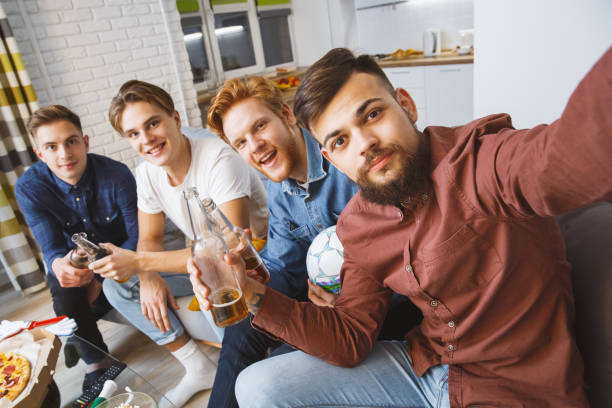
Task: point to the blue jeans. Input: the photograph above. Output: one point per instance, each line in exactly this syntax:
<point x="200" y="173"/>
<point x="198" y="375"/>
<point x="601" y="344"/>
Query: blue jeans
<point x="125" y="297"/>
<point x="384" y="379"/>
<point x="242" y="346"/>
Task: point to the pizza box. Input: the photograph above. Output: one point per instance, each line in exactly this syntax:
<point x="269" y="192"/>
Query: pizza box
<point x="42" y="373"/>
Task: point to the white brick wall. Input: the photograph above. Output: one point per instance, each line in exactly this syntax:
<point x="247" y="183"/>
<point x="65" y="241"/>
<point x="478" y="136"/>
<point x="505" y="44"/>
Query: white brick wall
<point x="91" y="47"/>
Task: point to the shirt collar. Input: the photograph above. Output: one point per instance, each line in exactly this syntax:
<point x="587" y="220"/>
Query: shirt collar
<point x="84" y="184"/>
<point x="316" y="171"/>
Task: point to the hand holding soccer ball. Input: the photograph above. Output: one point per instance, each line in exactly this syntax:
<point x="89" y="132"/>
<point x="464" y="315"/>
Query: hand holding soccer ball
<point x="324" y="260"/>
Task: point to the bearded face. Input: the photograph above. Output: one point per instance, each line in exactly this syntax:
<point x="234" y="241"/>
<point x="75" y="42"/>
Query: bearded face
<point x="407" y="177"/>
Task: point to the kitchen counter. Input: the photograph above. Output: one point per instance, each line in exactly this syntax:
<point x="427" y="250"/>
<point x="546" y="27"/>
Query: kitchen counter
<point x="445" y="58"/>
<point x="205" y="96"/>
<point x="419" y="60"/>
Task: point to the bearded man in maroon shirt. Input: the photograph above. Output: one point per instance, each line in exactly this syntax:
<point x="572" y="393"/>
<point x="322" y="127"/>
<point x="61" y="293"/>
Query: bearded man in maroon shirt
<point x="458" y="219"/>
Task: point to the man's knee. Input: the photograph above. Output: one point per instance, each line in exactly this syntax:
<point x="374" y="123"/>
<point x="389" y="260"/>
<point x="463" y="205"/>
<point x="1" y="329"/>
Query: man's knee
<point x="67" y="301"/>
<point x="256" y="387"/>
<point x="115" y="292"/>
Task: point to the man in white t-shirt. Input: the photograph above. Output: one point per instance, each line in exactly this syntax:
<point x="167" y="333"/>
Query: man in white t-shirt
<point x="145" y="115"/>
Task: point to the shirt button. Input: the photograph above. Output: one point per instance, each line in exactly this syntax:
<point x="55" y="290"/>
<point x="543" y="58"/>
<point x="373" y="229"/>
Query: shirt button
<point x="425" y="196"/>
<point x="408" y="268"/>
<point x="320" y="227"/>
<point x="433" y="303"/>
<point x="107" y="218"/>
<point x="67" y="222"/>
<point x="451" y="324"/>
<point x="93" y="235"/>
<point x="84" y="220"/>
<point x="308" y="199"/>
<point x="78" y="199"/>
<point x="450" y="347"/>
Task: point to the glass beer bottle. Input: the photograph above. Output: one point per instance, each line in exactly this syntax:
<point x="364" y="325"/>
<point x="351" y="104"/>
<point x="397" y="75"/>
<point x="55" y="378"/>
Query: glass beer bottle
<point x="85" y="252"/>
<point x="237" y="240"/>
<point x="228" y="306"/>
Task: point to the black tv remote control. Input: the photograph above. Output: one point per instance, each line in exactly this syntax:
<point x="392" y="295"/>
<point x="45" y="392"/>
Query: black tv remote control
<point x="94" y="390"/>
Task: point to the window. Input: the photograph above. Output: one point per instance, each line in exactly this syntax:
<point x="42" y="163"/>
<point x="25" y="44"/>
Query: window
<point x="275" y="36"/>
<point x="229" y="38"/>
<point x="196" y="48"/>
<point x="233" y="34"/>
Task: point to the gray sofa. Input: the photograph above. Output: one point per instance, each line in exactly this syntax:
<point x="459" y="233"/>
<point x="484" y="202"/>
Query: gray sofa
<point x="588" y="240"/>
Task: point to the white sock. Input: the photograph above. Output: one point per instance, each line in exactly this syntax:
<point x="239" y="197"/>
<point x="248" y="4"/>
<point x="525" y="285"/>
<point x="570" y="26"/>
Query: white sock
<point x="199" y="373"/>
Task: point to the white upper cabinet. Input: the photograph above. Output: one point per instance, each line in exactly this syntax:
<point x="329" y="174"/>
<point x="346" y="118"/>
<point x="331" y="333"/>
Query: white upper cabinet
<point x="443" y="94"/>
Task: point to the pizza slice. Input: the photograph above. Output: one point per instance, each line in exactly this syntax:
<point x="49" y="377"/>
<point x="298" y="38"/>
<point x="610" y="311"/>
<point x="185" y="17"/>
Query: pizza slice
<point x="14" y="374"/>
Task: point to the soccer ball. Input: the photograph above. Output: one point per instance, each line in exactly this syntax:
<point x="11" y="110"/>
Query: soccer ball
<point x="324" y="260"/>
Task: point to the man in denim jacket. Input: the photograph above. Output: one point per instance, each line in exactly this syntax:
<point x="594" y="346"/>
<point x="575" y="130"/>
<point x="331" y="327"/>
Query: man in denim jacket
<point x="67" y="192"/>
<point x="306" y="194"/>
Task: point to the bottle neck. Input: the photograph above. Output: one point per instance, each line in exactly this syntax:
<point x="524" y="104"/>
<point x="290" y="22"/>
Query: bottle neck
<point x="85" y="245"/>
<point x="196" y="218"/>
<point x="217" y="215"/>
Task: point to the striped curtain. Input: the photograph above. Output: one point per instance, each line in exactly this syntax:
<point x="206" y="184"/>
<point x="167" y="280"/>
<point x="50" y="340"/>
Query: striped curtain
<point x="20" y="256"/>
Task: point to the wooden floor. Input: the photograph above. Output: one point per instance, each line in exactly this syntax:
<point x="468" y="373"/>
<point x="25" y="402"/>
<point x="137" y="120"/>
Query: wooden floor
<point x="125" y="343"/>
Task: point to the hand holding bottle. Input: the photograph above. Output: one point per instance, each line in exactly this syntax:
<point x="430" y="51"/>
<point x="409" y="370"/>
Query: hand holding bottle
<point x="120" y="264"/>
<point x="237" y="240"/>
<point x="221" y="292"/>
<point x="87" y="253"/>
<point x="68" y="275"/>
<point x="252" y="289"/>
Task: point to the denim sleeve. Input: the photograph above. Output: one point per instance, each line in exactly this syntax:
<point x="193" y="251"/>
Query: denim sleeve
<point x="47" y="230"/>
<point x="285" y="257"/>
<point x="127" y="202"/>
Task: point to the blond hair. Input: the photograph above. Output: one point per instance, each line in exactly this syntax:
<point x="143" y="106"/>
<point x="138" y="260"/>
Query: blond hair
<point x="234" y="90"/>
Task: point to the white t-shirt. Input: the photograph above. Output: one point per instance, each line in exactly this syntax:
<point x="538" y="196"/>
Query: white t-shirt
<point x="217" y="172"/>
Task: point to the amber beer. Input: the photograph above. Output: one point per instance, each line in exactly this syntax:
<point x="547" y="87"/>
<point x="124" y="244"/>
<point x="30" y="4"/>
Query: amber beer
<point x="85" y="251"/>
<point x="208" y="249"/>
<point x="228" y="307"/>
<point x="79" y="258"/>
<point x="236" y="240"/>
<point x="254" y="262"/>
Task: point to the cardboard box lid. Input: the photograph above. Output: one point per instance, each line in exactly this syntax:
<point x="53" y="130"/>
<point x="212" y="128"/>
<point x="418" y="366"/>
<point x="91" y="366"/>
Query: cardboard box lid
<point x="43" y="372"/>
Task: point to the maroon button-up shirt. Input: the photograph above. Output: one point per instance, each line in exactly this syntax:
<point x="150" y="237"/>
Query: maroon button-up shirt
<point x="478" y="252"/>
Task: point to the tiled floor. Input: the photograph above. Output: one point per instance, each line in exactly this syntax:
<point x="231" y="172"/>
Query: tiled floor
<point x="125" y="343"/>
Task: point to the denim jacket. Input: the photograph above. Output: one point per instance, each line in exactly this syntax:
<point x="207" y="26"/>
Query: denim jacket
<point x="297" y="215"/>
<point x="102" y="204"/>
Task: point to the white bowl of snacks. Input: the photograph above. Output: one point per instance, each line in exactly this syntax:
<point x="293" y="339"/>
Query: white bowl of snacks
<point x="129" y="400"/>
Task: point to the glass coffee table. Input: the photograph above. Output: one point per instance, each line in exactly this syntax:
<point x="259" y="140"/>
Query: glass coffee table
<point x="66" y="387"/>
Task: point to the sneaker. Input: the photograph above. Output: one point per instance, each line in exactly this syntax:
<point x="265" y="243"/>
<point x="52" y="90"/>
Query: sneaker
<point x="94" y="375"/>
<point x="102" y="375"/>
<point x="71" y="354"/>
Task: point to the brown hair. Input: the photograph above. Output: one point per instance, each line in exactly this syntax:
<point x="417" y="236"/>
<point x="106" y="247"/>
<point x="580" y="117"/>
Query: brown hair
<point x="138" y="91"/>
<point x="235" y="90"/>
<point x="324" y="79"/>
<point x="50" y="114"/>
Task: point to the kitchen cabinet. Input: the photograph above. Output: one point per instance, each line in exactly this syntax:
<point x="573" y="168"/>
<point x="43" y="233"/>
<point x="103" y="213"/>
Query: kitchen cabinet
<point x="443" y="94"/>
<point x="412" y="79"/>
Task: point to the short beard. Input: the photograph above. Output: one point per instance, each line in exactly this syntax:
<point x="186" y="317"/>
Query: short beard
<point x="413" y="173"/>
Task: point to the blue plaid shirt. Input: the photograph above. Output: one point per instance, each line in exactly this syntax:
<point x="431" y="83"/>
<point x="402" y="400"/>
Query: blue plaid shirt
<point x="297" y="215"/>
<point x="102" y="204"/>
